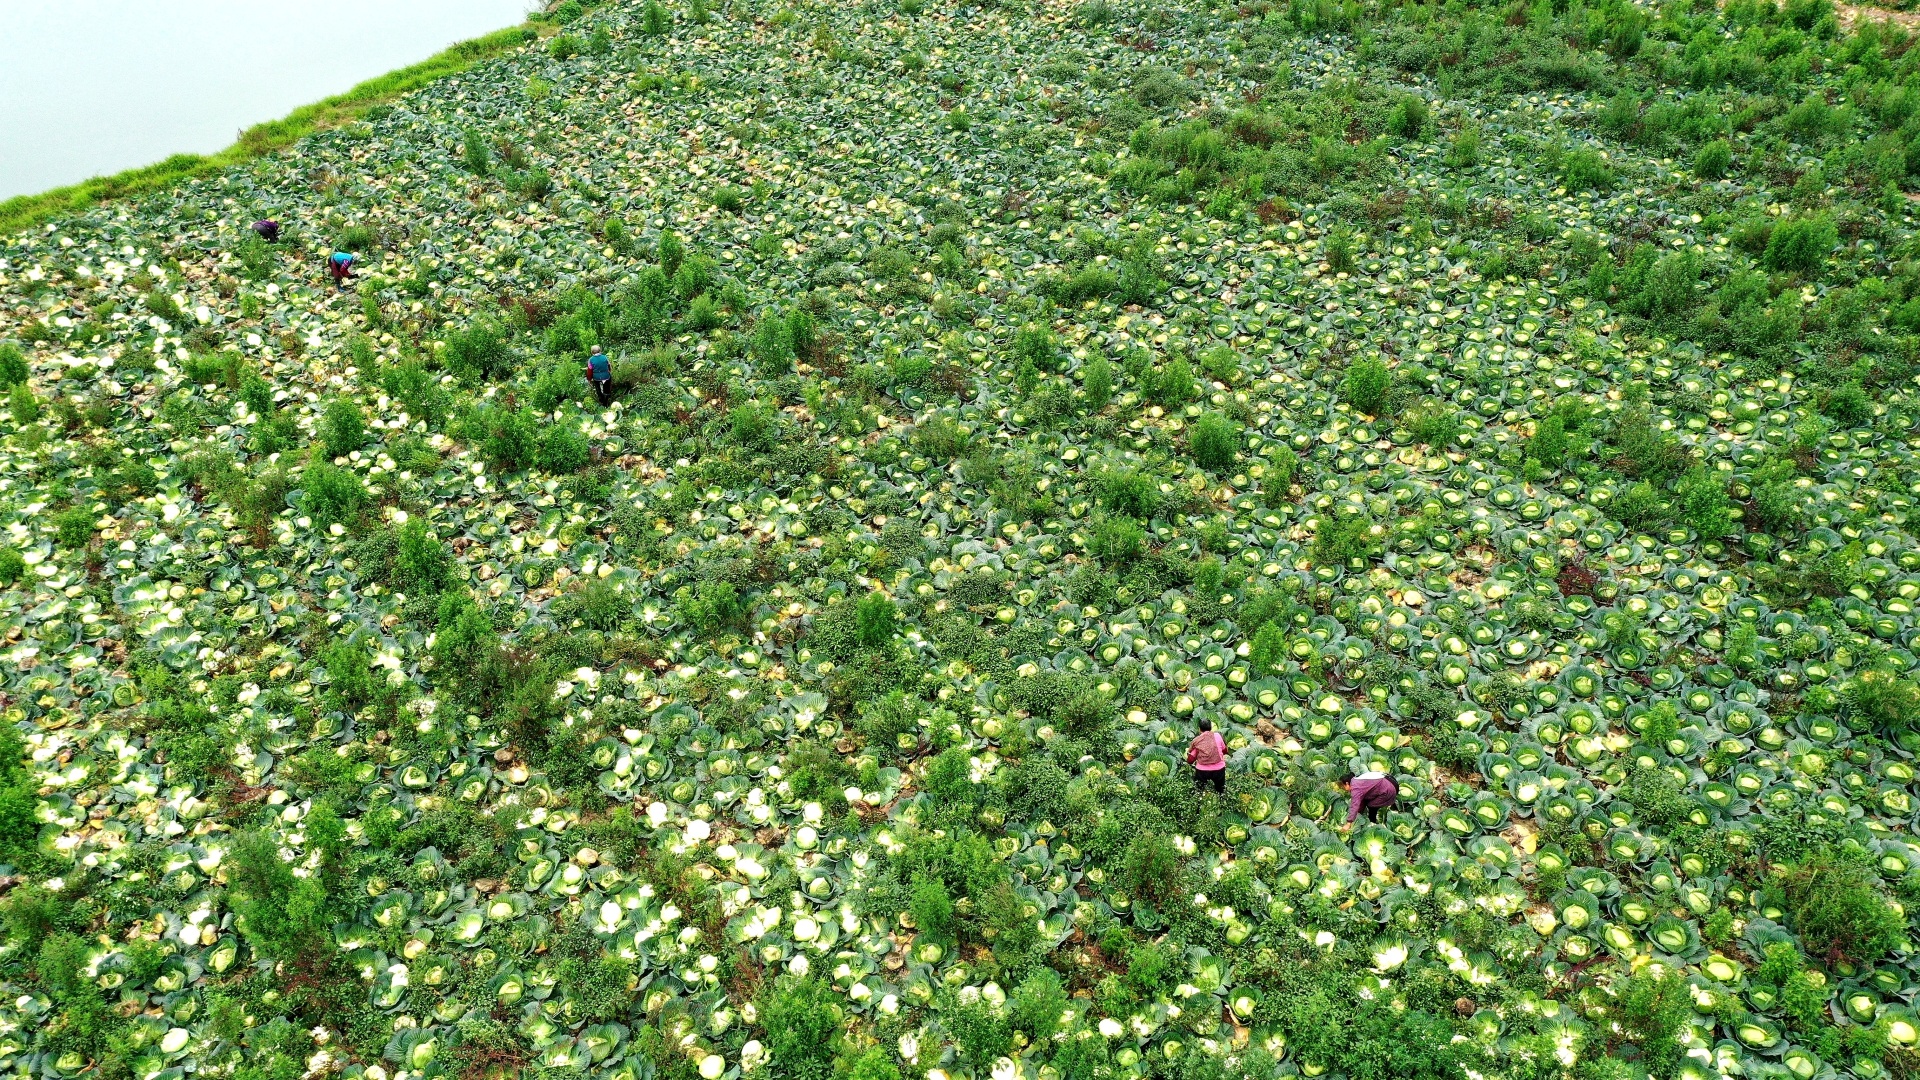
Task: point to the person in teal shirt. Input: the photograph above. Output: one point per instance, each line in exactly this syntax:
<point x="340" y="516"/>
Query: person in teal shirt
<point x="600" y="376"/>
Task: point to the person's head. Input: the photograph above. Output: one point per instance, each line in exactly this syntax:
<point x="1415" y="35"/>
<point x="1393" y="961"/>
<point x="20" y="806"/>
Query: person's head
<point x="1206" y="724"/>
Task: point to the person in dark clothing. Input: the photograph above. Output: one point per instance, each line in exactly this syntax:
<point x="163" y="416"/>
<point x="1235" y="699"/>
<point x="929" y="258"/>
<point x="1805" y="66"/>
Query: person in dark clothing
<point x="340" y="265"/>
<point x="1208" y="756"/>
<point x="600" y="375"/>
<point x="268" y="229"/>
<point x="1373" y="792"/>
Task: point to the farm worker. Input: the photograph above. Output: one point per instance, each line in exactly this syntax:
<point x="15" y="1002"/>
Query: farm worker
<point x="600" y="374"/>
<point x="1372" y="792"/>
<point x="340" y="265"/>
<point x="269" y="230"/>
<point x="1208" y="756"/>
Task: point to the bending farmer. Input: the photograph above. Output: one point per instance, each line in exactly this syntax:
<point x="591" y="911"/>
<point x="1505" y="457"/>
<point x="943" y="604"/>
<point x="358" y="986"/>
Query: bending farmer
<point x="1208" y="756"/>
<point x="340" y="265"/>
<point x="269" y="230"/>
<point x="1372" y="792"/>
<point x="600" y="374"/>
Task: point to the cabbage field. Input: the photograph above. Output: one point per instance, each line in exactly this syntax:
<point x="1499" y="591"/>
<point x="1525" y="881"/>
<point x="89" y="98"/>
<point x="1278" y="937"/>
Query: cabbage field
<point x="1517" y="398"/>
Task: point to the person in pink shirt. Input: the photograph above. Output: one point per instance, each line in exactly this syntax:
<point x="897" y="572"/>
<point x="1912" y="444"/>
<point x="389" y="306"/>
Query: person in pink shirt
<point x="1373" y="792"/>
<point x="1208" y="756"/>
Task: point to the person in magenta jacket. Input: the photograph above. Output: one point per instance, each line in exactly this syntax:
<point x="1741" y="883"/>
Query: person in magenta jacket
<point x="1208" y="756"/>
<point x="1373" y="792"/>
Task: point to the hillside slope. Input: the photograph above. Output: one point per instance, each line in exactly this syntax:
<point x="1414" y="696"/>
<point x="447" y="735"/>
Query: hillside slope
<point x="1518" y="400"/>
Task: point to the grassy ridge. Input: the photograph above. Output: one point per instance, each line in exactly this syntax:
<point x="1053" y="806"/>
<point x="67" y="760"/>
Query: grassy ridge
<point x="26" y="211"/>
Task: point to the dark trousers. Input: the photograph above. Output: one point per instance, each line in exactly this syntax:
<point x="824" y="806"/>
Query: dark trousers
<point x="603" y="389"/>
<point x="1214" y="778"/>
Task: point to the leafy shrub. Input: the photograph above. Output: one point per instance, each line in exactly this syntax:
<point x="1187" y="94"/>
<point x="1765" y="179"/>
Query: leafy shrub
<point x="1586" y="170"/>
<point x="331" y="495"/>
<point x="875" y="620"/>
<point x="478" y="352"/>
<point x="802" y="1020"/>
<point x="1839" y="911"/>
<point x="474" y="153"/>
<point x="1465" y="151"/>
<point x="417" y="391"/>
<point x="1117" y="541"/>
<point x="1171" y="384"/>
<point x="1127" y="491"/>
<point x="13" y="565"/>
<point x="1365" y="386"/>
<point x="1849" y="404"/>
<point x="1097" y="381"/>
<point x="1884" y="700"/>
<point x="283" y="915"/>
<point x="1701" y="500"/>
<point x="1340" y="540"/>
<point x="710" y="607"/>
<point x="343" y="428"/>
<point x="1800" y="245"/>
<point x="563" y="450"/>
<point x="1340" y="253"/>
<point x="1409" y="117"/>
<point x="1214" y="442"/>
<point x="1713" y="160"/>
<point x="22" y="405"/>
<point x="729" y="198"/>
<point x="506" y="437"/>
<point x="13" y="366"/>
<point x="654" y="20"/>
<point x="421" y="563"/>
<point x="73" y="527"/>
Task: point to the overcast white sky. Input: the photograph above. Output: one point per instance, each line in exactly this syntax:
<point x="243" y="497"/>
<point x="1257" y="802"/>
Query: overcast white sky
<point x="91" y="87"/>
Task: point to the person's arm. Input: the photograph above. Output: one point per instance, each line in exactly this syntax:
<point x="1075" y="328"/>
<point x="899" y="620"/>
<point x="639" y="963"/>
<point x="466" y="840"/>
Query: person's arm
<point x="1353" y="803"/>
<point x="1193" y="751"/>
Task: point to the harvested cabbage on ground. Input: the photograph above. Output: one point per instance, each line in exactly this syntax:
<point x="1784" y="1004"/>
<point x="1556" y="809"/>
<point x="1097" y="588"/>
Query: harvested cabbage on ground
<point x="1516" y="399"/>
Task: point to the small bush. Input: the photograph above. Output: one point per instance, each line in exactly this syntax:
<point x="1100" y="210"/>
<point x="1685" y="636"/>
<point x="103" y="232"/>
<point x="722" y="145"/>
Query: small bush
<point x="1713" y="160"/>
<point x="13" y="565"/>
<point x="1465" y="152"/>
<point x="1849" y="404"/>
<point x="479" y="351"/>
<point x="506" y="438"/>
<point x="1701" y="501"/>
<point x="1097" y="381"/>
<point x="1801" y="245"/>
<point x="1409" y="117"/>
<point x="875" y="620"/>
<point x="73" y="527"/>
<point x="1117" y="541"/>
<point x="343" y="429"/>
<point x="1884" y="701"/>
<point x="13" y="366"/>
<point x="1340" y="540"/>
<point x="1839" y="911"/>
<point x="1214" y="442"/>
<point x="654" y="20"/>
<point x="474" y="153"/>
<point x="1365" y="386"/>
<point x="332" y="496"/>
<point x="802" y="1019"/>
<point x="563" y="450"/>
<point x="1586" y="170"/>
<point x="22" y="405"/>
<point x="1172" y="384"/>
<point x="1129" y="492"/>
<point x="1340" y="253"/>
<point x="729" y="198"/>
<point x="283" y="915"/>
<point x="710" y="607"/>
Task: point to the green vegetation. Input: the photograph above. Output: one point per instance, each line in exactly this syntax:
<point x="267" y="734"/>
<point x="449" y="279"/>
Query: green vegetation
<point x="1518" y="400"/>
